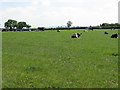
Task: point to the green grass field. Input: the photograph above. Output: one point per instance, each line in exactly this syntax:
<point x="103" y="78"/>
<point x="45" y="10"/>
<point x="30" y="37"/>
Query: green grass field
<point x="54" y="59"/>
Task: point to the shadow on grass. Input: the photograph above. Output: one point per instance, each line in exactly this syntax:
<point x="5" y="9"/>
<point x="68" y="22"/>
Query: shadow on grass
<point x="33" y="68"/>
<point x="115" y="54"/>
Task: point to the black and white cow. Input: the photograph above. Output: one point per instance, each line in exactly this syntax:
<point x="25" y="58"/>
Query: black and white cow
<point x="76" y="35"/>
<point x="85" y="31"/>
<point x="114" y="35"/>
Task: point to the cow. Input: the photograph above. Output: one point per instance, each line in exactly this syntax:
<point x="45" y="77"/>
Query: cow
<point x="90" y="28"/>
<point x="105" y="32"/>
<point x="76" y="35"/>
<point x="114" y="35"/>
<point x="85" y="31"/>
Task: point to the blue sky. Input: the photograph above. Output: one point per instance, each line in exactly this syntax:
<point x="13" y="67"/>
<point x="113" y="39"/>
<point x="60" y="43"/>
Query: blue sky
<point x="6" y="5"/>
<point x="58" y="12"/>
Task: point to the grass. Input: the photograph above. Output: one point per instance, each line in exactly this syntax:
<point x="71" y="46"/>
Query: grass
<point x="53" y="59"/>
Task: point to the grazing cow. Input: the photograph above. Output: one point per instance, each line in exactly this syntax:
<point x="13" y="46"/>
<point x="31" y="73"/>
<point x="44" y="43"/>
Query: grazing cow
<point x="114" y="35"/>
<point x="105" y="32"/>
<point x="76" y="35"/>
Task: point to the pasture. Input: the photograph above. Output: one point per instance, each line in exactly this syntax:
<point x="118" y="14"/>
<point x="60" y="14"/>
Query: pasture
<point x="54" y="59"/>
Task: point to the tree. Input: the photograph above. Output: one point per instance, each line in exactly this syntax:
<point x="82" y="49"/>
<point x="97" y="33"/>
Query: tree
<point x="11" y="24"/>
<point x="28" y="26"/>
<point x="20" y="25"/>
<point x="6" y="25"/>
<point x="117" y="24"/>
<point x="69" y="23"/>
<point x="105" y="24"/>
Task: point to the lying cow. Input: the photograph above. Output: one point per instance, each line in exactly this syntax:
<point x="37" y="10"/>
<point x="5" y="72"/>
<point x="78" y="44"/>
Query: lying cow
<point x="76" y="35"/>
<point x="105" y="32"/>
<point x="114" y="35"/>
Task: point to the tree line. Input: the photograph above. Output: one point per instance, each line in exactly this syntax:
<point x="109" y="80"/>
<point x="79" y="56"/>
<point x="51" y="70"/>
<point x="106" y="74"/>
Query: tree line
<point x="13" y="25"/>
<point x="110" y="25"/>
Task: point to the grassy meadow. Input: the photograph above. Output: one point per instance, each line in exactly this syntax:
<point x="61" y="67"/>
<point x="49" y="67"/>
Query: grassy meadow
<point x="54" y="59"/>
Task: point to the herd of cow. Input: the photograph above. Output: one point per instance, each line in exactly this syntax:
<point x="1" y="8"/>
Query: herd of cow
<point x="113" y="35"/>
<point x="77" y="35"/>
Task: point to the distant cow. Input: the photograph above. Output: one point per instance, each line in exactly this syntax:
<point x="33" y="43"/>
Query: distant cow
<point x="90" y="28"/>
<point x="76" y="35"/>
<point x="85" y="31"/>
<point x="114" y="35"/>
<point x="105" y="32"/>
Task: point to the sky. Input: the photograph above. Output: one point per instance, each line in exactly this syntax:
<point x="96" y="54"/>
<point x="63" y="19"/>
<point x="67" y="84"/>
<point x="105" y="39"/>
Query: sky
<point x="48" y="13"/>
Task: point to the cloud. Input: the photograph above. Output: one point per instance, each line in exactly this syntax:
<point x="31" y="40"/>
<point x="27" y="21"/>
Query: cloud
<point x="58" y="12"/>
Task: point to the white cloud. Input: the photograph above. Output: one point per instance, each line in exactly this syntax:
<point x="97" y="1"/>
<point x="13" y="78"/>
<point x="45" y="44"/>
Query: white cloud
<point x="58" y="12"/>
